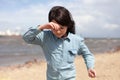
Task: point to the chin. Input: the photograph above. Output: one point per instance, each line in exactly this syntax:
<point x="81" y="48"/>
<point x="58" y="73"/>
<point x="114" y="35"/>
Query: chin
<point x="59" y="36"/>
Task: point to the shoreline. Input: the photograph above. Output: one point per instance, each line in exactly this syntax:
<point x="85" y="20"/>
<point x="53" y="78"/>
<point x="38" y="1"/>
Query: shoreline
<point x="107" y="67"/>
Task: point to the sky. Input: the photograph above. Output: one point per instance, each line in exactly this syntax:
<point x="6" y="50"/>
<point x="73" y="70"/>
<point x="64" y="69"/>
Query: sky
<point x="93" y="18"/>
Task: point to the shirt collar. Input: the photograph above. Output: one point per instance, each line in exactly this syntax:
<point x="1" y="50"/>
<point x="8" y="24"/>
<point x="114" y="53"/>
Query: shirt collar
<point x="68" y="37"/>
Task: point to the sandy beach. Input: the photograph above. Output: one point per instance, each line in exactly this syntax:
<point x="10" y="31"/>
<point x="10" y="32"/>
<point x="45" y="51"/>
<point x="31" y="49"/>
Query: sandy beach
<point x="107" y="67"/>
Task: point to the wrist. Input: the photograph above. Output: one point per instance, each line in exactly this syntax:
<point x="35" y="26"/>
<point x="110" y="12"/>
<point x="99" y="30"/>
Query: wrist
<point x="90" y="68"/>
<point x="39" y="28"/>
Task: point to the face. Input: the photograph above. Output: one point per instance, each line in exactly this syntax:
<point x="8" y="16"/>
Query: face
<point x="60" y="32"/>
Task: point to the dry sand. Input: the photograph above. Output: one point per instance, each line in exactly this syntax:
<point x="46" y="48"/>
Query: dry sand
<point x="107" y="68"/>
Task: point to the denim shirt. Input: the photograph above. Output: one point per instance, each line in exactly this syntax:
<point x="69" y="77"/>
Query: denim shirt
<point x="60" y="52"/>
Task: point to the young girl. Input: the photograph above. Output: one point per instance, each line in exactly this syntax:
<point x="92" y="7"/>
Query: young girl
<point x="60" y="45"/>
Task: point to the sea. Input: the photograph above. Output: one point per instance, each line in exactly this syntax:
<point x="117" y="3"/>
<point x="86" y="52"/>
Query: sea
<point x="14" y="50"/>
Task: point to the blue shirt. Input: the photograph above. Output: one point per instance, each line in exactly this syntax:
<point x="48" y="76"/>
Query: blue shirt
<point x="60" y="52"/>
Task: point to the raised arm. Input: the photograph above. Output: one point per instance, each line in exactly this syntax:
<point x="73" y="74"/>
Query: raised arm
<point x="36" y="35"/>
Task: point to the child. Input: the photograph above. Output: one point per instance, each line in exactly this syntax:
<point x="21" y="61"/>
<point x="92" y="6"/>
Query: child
<point x="60" y="45"/>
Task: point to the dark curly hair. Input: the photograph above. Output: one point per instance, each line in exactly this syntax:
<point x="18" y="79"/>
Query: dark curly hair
<point x="63" y="17"/>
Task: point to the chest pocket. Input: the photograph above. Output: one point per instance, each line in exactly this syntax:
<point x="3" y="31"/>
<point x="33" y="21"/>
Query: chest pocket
<point x="71" y="55"/>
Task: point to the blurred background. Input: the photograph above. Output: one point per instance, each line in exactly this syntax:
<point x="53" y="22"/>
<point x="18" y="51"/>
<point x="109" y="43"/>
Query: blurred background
<point x="96" y="20"/>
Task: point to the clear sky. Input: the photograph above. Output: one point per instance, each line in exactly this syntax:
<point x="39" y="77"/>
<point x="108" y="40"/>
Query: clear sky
<point x="93" y="18"/>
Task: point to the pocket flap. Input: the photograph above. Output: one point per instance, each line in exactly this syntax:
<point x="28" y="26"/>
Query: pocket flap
<point x="73" y="51"/>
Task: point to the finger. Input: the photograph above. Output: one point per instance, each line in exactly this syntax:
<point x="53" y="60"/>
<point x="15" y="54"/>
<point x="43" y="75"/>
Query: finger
<point x="52" y="25"/>
<point x="91" y="75"/>
<point x="94" y="73"/>
<point x="57" y="27"/>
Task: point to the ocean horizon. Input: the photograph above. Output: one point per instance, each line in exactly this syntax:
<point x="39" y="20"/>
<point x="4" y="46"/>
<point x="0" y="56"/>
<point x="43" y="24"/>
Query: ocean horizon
<point x="14" y="50"/>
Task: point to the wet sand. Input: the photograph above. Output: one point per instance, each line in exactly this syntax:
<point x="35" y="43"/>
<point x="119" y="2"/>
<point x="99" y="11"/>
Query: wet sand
<point x="107" y="67"/>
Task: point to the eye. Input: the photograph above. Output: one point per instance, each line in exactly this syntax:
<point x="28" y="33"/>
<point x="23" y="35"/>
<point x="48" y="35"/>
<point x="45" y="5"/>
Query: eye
<point x="61" y="27"/>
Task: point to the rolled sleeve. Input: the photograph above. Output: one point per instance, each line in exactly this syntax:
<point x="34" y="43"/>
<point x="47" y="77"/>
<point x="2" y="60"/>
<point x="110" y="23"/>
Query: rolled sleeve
<point x="32" y="37"/>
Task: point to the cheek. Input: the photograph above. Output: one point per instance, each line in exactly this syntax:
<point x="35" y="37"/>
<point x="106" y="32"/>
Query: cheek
<point x="59" y="32"/>
<point x="56" y="32"/>
<point x="64" y="31"/>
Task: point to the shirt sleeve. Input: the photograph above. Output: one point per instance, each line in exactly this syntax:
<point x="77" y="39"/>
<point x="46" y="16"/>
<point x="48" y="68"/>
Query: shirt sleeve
<point x="33" y="36"/>
<point x="87" y="55"/>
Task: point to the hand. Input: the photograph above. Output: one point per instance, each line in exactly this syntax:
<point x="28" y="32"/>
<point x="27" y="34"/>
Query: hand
<point x="54" y="26"/>
<point x="51" y="25"/>
<point x="92" y="73"/>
